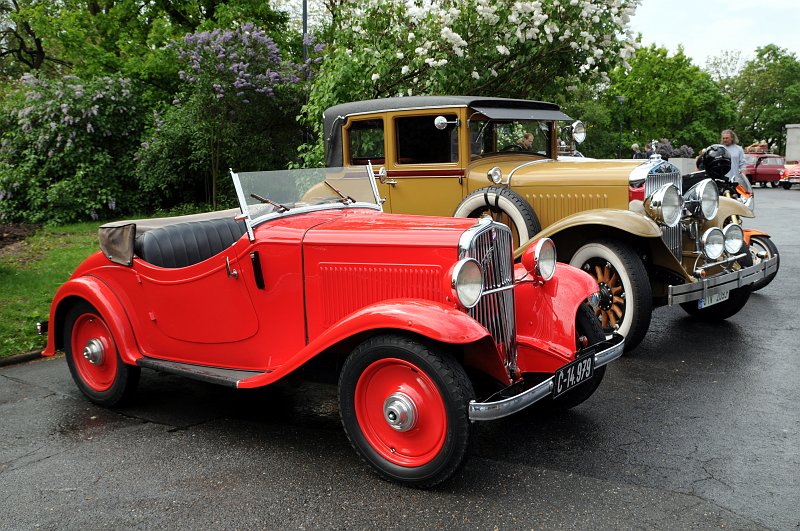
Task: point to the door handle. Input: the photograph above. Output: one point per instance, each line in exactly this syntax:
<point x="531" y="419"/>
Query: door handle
<point x="390" y="181"/>
<point x="231" y="272"/>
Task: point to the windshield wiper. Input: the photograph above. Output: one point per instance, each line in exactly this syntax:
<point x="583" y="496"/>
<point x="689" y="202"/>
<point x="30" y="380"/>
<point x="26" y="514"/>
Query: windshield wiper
<point x="345" y="198"/>
<point x="281" y="208"/>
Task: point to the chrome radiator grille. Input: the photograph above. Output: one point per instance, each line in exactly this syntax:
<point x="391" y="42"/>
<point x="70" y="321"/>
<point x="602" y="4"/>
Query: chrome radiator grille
<point x="665" y="173"/>
<point x="491" y="245"/>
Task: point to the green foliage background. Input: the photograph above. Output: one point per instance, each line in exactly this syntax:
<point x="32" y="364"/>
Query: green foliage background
<point x="165" y="142"/>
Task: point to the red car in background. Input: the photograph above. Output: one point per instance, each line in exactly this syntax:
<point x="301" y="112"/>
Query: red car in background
<point x="789" y="176"/>
<point x="763" y="168"/>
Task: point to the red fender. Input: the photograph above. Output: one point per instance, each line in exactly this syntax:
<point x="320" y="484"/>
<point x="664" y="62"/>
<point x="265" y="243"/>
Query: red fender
<point x="753" y="232"/>
<point x="433" y="320"/>
<point x="546" y="317"/>
<point x="98" y="294"/>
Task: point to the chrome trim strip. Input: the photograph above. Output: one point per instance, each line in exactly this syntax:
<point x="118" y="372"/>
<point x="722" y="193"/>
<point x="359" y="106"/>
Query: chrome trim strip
<point x="508" y="406"/>
<point x="524" y="164"/>
<point x="692" y="291"/>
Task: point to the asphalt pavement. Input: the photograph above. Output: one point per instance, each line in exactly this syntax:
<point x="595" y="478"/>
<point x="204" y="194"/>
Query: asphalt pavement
<point x="697" y="428"/>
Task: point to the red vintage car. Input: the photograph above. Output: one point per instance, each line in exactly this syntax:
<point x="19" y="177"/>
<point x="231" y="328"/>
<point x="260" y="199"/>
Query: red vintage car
<point x="763" y="168"/>
<point x="430" y="323"/>
<point x="790" y="175"/>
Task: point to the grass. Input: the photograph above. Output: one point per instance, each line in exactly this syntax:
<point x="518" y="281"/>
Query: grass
<point x="30" y="273"/>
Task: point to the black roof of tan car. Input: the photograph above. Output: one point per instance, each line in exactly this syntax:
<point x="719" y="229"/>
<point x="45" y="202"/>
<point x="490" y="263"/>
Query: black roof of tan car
<point x="422" y="102"/>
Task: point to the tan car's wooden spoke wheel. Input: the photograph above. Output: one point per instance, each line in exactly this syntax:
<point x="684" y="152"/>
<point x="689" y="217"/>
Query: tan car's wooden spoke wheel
<point x="626" y="299"/>
<point x="612" y="296"/>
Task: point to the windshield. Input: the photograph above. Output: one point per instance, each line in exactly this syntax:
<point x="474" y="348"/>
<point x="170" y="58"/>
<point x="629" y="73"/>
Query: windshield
<point x="267" y="194"/>
<point x="489" y="137"/>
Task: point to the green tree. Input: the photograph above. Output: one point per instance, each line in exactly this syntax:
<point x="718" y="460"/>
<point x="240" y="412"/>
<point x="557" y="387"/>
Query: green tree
<point x="767" y="97"/>
<point x="486" y="47"/>
<point x="668" y="97"/>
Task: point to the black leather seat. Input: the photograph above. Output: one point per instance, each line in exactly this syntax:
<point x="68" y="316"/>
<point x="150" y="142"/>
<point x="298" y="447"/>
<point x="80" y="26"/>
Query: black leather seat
<point x="184" y="244"/>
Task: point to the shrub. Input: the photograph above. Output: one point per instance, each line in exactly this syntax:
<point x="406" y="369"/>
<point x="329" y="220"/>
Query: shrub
<point x="67" y="150"/>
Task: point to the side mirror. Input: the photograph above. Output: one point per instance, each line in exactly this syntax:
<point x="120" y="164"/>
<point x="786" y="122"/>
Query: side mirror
<point x="441" y="123"/>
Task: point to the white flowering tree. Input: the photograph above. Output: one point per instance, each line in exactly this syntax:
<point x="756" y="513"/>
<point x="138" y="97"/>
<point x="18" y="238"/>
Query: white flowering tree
<point x="531" y="49"/>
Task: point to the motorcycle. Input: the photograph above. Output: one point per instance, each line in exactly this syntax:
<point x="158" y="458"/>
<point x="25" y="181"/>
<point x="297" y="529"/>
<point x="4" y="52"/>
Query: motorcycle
<point x="759" y="242"/>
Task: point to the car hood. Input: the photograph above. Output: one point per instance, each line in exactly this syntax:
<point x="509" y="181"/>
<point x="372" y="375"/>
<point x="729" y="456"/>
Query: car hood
<point x="575" y="171"/>
<point x="360" y="227"/>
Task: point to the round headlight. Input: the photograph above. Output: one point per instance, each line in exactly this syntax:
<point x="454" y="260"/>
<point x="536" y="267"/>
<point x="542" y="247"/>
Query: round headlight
<point x="468" y="282"/>
<point x="713" y="243"/>
<point x="665" y="205"/>
<point x="709" y="199"/>
<point x="544" y="259"/>
<point x="495" y="175"/>
<point x="734" y="238"/>
<point x="579" y="132"/>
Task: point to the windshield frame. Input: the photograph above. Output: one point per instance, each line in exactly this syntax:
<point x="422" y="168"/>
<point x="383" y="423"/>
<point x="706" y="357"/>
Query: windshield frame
<point x="252" y="218"/>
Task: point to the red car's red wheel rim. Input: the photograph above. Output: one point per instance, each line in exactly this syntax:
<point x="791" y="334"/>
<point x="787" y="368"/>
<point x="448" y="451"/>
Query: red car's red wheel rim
<point x="94" y="352"/>
<point x="400" y="412"/>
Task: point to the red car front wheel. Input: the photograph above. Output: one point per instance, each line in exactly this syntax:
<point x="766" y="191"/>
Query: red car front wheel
<point x="404" y="407"/>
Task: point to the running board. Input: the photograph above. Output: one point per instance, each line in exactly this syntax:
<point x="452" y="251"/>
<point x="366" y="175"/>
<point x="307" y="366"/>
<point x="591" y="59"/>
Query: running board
<point x="215" y="375"/>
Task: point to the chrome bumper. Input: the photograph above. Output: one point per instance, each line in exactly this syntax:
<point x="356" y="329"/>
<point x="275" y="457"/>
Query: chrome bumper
<point x="692" y="291"/>
<point x="611" y="349"/>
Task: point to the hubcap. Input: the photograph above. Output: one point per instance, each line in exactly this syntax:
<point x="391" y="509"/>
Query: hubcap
<point x="93" y="352"/>
<point x="400" y="412"/>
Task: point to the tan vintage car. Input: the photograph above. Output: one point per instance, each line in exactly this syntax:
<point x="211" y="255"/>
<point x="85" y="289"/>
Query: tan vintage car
<point x="628" y="223"/>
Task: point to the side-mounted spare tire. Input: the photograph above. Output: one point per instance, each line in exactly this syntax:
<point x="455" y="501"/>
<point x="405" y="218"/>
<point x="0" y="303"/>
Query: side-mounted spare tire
<point x="505" y="206"/>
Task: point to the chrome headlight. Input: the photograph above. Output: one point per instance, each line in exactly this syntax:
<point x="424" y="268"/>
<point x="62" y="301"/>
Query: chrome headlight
<point x="712" y="243"/>
<point x="467" y="282"/>
<point x="544" y="260"/>
<point x="702" y="199"/>
<point x="665" y="205"/>
<point x="495" y="175"/>
<point x="734" y="238"/>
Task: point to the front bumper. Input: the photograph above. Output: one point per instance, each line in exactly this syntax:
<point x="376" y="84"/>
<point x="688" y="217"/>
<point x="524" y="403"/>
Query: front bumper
<point x="491" y="409"/>
<point x="692" y="291"/>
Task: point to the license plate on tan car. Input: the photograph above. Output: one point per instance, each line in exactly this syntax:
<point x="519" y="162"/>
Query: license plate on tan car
<point x="711" y="300"/>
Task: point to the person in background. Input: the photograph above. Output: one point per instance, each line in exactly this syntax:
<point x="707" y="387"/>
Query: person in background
<point x="525" y="142"/>
<point x="731" y="143"/>
<point x="648" y="151"/>
<point x="637" y="153"/>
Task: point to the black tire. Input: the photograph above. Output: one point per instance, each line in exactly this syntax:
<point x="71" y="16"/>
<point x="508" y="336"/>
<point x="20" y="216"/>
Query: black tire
<point x="786" y="186"/>
<point x="586" y="324"/>
<point x="504" y="205"/>
<point x="760" y="243"/>
<point x="433" y="446"/>
<point x="625" y="292"/>
<point x="105" y="380"/>
<point x="722" y="310"/>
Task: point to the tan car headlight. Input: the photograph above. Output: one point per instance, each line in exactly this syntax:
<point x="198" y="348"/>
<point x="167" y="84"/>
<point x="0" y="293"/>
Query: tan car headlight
<point x="665" y="205"/>
<point x="702" y="199"/>
<point x="712" y="243"/>
<point x="734" y="238"/>
<point x="467" y="282"/>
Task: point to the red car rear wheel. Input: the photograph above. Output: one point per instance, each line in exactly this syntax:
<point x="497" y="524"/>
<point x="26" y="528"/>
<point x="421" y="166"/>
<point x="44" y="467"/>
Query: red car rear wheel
<point x="93" y="359"/>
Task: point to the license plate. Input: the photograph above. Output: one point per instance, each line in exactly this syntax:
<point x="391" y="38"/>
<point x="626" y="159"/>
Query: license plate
<point x="711" y="300"/>
<point x="573" y="374"/>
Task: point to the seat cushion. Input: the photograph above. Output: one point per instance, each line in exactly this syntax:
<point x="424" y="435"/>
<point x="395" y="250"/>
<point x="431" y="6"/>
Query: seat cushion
<point x="184" y="244"/>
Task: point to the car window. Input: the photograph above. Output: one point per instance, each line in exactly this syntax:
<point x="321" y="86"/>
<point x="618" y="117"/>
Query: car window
<point x="366" y="142"/>
<point x="509" y="136"/>
<point x="750" y="159"/>
<point x="420" y="142"/>
<point x="774" y="161"/>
